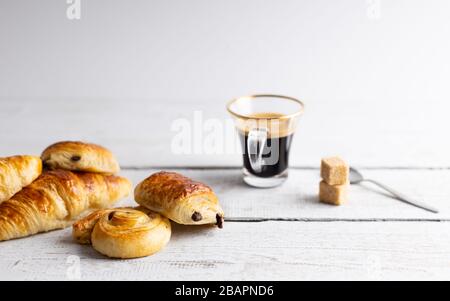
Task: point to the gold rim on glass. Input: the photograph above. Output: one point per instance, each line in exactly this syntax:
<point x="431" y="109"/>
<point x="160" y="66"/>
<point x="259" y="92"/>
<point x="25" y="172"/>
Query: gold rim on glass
<point x="256" y="96"/>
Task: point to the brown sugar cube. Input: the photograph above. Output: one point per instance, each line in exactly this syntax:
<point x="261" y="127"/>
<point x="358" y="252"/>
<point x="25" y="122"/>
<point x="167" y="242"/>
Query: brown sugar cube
<point x="333" y="194"/>
<point x="334" y="171"/>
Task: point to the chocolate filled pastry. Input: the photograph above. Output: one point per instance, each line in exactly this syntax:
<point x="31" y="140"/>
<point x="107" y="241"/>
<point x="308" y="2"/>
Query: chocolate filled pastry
<point x="123" y="232"/>
<point x="56" y="199"/>
<point x="80" y="156"/>
<point x="180" y="199"/>
<point x="17" y="172"/>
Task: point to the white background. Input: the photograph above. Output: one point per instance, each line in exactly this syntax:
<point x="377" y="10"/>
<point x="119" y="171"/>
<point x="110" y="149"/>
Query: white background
<point x="376" y="87"/>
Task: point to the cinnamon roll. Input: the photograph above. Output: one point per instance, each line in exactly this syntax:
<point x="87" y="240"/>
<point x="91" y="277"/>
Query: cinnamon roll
<point x="124" y="232"/>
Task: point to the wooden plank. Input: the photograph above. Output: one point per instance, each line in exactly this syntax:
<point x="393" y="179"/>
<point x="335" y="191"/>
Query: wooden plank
<point x="298" y="197"/>
<point x="249" y="251"/>
<point x="140" y="131"/>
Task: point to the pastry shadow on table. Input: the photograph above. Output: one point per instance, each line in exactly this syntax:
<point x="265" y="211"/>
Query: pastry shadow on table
<point x="83" y="251"/>
<point x="180" y="233"/>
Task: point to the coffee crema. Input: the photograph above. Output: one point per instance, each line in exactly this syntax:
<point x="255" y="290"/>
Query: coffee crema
<point x="275" y="123"/>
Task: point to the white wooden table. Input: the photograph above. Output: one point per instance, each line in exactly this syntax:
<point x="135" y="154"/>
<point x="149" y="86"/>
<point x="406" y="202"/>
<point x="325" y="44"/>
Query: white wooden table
<point x="269" y="234"/>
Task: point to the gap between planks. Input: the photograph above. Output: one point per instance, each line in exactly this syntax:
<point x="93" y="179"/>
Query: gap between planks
<point x="304" y="167"/>
<point x="320" y="220"/>
<point x="261" y="218"/>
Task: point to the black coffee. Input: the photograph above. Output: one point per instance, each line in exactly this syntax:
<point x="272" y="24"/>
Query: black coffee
<point x="276" y="157"/>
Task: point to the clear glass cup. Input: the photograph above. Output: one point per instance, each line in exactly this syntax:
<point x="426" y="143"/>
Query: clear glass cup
<point x="266" y="125"/>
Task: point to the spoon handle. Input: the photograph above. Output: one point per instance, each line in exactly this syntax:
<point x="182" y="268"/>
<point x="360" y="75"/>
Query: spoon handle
<point x="403" y="197"/>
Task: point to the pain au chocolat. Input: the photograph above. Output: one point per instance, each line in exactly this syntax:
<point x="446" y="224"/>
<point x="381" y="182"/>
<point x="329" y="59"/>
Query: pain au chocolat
<point x="80" y="156"/>
<point x="179" y="198"/>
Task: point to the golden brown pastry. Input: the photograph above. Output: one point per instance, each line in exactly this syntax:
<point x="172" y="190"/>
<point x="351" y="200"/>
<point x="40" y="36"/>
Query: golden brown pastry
<point x="56" y="199"/>
<point x="80" y="156"/>
<point x="180" y="199"/>
<point x="82" y="229"/>
<point x="123" y="232"/>
<point x="17" y="172"/>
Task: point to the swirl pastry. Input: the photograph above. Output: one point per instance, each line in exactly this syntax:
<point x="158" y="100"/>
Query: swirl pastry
<point x="80" y="156"/>
<point x="179" y="198"/>
<point x="56" y="199"/>
<point x="17" y="172"/>
<point x="123" y="232"/>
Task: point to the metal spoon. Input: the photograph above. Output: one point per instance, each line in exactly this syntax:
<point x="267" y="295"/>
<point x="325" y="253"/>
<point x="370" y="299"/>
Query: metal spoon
<point x="356" y="177"/>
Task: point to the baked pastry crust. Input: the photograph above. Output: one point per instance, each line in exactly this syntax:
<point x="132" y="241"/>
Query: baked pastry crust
<point x="180" y="199"/>
<point x="56" y="199"/>
<point x="123" y="232"/>
<point x="17" y="172"/>
<point x="80" y="156"/>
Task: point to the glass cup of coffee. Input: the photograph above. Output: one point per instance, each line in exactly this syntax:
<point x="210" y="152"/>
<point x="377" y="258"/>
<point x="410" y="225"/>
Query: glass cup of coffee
<point x="265" y="125"/>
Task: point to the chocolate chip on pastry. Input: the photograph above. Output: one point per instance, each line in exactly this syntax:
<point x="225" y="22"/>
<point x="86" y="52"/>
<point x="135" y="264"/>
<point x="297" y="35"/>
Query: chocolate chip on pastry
<point x="56" y="199"/>
<point x="17" y="172"/>
<point x="124" y="232"/>
<point x="179" y="198"/>
<point x="80" y="156"/>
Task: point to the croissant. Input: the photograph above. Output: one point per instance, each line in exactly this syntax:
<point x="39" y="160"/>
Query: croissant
<point x="56" y="199"/>
<point x="180" y="199"/>
<point x="80" y="156"/>
<point x="17" y="172"/>
<point x="123" y="232"/>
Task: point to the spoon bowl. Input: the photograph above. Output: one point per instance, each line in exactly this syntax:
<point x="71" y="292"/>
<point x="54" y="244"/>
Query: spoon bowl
<point x="356" y="177"/>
